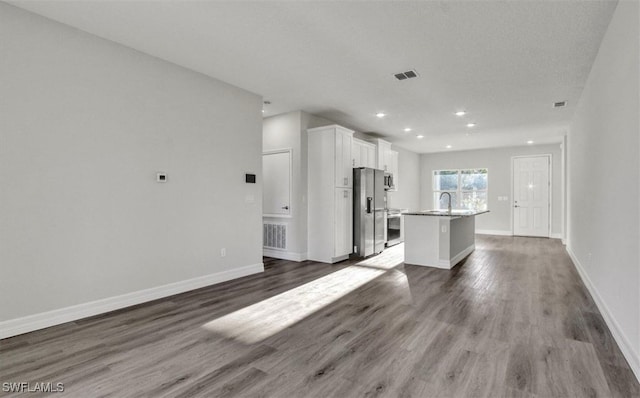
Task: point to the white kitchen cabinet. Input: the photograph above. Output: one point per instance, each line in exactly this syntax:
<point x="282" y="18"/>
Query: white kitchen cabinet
<point x="384" y="154"/>
<point x="344" y="222"/>
<point x="387" y="160"/>
<point x="343" y="168"/>
<point x="393" y="168"/>
<point x="363" y="154"/>
<point x="330" y="195"/>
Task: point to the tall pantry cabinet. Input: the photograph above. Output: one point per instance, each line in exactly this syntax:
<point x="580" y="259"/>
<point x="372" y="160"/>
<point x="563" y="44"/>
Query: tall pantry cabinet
<point x="330" y="194"/>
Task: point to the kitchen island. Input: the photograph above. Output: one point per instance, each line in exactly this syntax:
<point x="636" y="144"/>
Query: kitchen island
<point x="439" y="238"/>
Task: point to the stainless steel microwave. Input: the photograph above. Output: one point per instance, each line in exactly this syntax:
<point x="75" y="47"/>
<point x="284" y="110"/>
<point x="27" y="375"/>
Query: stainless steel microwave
<point x="388" y="181"/>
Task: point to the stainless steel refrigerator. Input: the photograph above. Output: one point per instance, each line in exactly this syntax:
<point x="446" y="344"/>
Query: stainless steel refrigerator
<point x="368" y="211"/>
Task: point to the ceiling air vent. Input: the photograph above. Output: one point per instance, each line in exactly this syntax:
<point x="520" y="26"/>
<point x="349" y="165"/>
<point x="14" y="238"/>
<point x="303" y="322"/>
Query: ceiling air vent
<point x="559" y="104"/>
<point x="406" y="75"/>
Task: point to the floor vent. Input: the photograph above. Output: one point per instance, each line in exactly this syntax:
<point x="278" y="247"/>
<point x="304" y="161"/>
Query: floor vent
<point x="274" y="236"/>
<point x="559" y="104"/>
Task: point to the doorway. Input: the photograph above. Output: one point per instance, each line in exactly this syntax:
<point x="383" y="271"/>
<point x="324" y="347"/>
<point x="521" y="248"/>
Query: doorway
<point x="531" y="195"/>
<point x="276" y="194"/>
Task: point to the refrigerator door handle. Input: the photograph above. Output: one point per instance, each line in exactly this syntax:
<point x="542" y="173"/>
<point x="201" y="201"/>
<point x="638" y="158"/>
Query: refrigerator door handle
<point x="369" y="201"/>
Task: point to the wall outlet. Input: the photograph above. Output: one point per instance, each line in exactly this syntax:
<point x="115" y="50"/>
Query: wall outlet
<point x="223" y="252"/>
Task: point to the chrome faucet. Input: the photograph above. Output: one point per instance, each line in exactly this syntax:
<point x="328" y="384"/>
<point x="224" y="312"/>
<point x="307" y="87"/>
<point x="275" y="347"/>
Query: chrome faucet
<point x="449" y="195"/>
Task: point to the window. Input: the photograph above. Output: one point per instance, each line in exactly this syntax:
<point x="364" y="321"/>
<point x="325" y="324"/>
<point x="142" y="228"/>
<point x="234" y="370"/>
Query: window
<point x="468" y="188"/>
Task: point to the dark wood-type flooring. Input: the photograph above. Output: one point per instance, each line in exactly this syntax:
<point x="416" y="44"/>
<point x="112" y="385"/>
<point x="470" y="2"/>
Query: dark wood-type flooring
<point x="512" y="320"/>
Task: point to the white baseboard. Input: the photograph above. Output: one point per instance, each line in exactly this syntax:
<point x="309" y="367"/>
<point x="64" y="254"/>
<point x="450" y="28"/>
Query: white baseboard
<point x="284" y="255"/>
<point x="493" y="232"/>
<point x="623" y="342"/>
<point x="455" y="260"/>
<point x="14" y="327"/>
<point x="509" y="233"/>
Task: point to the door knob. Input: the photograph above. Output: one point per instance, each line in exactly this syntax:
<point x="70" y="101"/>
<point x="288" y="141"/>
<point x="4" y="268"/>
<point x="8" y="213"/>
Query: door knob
<point x="285" y="207"/>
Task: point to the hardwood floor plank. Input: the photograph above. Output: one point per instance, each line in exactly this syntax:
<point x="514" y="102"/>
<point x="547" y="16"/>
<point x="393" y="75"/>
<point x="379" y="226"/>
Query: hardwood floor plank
<point x="512" y="320"/>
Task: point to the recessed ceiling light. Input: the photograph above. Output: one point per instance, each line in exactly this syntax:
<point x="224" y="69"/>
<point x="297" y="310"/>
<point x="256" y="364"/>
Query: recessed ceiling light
<point x="263" y="111"/>
<point x="460" y="113"/>
<point x="380" y="114"/>
<point x="419" y="136"/>
<point x="448" y="147"/>
<point x="471" y="125"/>
<point x="407" y="129"/>
<point x="529" y="142"/>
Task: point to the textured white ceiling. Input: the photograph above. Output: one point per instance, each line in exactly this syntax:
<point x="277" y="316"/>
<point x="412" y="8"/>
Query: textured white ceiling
<point x="505" y="62"/>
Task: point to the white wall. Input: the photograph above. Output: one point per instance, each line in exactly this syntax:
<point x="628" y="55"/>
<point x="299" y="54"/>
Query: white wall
<point x="498" y="162"/>
<point x="289" y="131"/>
<point x="85" y="124"/>
<point x="408" y="194"/>
<point x="603" y="166"/>
<point x="283" y="132"/>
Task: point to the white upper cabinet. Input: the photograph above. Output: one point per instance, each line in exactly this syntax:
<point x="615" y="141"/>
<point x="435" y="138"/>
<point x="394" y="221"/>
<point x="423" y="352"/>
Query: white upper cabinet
<point x="393" y="168"/>
<point x="363" y="154"/>
<point x="387" y="160"/>
<point x="384" y="154"/>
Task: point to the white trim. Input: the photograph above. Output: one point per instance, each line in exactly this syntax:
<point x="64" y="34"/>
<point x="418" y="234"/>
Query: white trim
<point x="493" y="232"/>
<point x="618" y="335"/>
<point x="455" y="260"/>
<point x="555" y="235"/>
<point x="284" y="255"/>
<point x="14" y="327"/>
<point x="448" y="264"/>
<point x="277" y="215"/>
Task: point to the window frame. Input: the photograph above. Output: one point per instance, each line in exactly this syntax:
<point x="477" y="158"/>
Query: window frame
<point x="459" y="192"/>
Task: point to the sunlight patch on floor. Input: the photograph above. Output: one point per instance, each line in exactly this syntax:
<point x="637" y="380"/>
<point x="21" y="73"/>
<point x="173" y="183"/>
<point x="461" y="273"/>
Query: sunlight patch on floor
<point x="256" y="322"/>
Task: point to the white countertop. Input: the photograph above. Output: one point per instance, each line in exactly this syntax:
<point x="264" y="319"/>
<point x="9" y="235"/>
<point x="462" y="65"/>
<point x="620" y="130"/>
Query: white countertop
<point x="446" y="213"/>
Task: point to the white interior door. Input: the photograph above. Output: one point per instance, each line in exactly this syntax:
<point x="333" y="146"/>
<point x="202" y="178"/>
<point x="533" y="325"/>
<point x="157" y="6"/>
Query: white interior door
<point x="276" y="177"/>
<point x="531" y="195"/>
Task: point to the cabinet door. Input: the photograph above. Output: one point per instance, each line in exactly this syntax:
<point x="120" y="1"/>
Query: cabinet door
<point x="343" y="160"/>
<point x="393" y="167"/>
<point x="356" y="154"/>
<point x="383" y="155"/>
<point x="370" y="156"/>
<point x="343" y="222"/>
